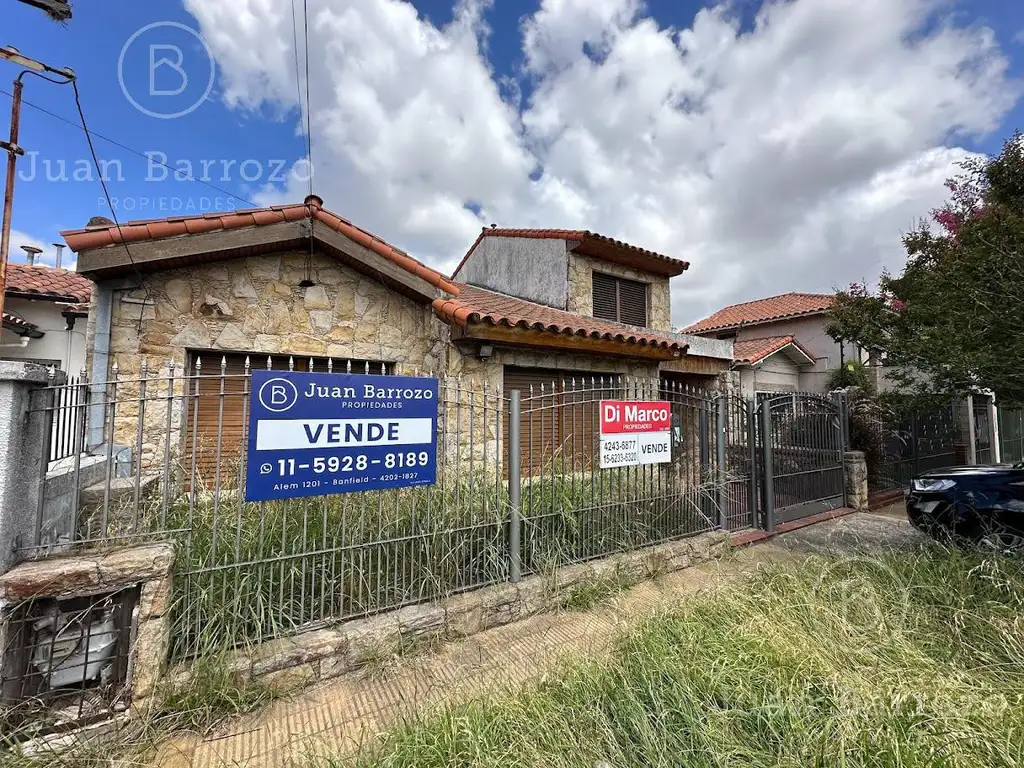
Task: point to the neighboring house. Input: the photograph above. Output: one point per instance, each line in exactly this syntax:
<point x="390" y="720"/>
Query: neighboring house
<point x="525" y="307"/>
<point x="44" y="316"/>
<point x="781" y="344"/>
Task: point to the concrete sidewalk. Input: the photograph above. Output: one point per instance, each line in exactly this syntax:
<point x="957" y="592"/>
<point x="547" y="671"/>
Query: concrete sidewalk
<point x="337" y="717"/>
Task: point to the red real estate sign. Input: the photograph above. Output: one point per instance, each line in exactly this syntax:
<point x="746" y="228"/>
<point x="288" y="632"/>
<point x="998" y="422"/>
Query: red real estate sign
<point x="635" y="432"/>
<point x="628" y="416"/>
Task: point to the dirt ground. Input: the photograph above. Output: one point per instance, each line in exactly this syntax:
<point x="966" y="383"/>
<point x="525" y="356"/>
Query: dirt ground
<point x="337" y="717"/>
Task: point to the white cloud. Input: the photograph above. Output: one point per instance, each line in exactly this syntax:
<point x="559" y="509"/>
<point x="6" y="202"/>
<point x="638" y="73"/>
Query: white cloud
<point x="48" y="256"/>
<point x="787" y="157"/>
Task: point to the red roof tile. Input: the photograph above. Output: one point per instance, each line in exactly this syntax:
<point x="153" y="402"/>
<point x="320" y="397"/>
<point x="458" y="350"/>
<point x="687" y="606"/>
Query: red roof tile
<point x="17" y="321"/>
<point x="753" y="351"/>
<point x="91" y="238"/>
<point x="476" y="305"/>
<point x="591" y="244"/>
<point x="48" y="283"/>
<point x="763" y="311"/>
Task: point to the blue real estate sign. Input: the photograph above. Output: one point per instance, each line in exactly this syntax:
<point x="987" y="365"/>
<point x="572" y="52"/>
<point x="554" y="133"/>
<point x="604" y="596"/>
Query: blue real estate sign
<point x="318" y="433"/>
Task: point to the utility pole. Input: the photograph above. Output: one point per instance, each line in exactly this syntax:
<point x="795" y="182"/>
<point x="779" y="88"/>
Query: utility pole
<point x="33" y="67"/>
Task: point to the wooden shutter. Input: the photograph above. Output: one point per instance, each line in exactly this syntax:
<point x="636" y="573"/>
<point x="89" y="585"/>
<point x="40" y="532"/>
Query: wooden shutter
<point x="633" y="303"/>
<point x="560" y="425"/>
<point x="606" y="302"/>
<point x="620" y="300"/>
<point x="204" y="409"/>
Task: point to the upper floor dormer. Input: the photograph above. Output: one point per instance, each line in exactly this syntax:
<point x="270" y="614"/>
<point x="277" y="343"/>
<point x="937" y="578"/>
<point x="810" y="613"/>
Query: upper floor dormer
<point x="576" y="271"/>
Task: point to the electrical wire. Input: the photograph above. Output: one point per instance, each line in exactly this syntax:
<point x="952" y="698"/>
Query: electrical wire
<point x="178" y="173"/>
<point x="110" y="204"/>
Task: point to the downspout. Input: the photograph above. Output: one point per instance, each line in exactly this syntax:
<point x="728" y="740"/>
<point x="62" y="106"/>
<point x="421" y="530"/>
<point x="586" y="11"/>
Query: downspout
<point x="102" y="313"/>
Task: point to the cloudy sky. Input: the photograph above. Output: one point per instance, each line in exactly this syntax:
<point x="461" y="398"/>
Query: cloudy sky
<point x="777" y="146"/>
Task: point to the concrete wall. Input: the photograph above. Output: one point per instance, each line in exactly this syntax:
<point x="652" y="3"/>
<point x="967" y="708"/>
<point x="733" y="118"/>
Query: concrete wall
<point x="809" y="331"/>
<point x="59" y="344"/>
<point x="533" y="269"/>
<point x="776" y="374"/>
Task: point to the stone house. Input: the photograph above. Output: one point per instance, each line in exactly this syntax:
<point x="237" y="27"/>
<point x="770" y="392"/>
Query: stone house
<point x="781" y="344"/>
<point x="297" y="284"/>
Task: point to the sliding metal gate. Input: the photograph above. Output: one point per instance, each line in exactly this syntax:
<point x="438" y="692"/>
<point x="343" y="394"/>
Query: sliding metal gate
<point x="800" y="448"/>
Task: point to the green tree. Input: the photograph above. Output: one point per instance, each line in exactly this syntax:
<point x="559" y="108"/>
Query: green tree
<point x="952" y="321"/>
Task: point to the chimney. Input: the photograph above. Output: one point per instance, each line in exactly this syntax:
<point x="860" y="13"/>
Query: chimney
<point x="60" y="250"/>
<point x="30" y="253"/>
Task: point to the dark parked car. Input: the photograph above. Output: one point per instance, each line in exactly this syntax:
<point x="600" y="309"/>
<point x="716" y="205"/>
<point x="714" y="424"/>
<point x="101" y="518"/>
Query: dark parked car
<point x="980" y="506"/>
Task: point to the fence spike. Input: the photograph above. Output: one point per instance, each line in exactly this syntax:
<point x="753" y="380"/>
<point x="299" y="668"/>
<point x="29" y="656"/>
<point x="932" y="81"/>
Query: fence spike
<point x="246" y="365"/>
<point x="223" y="364"/>
<point x="330" y="365"/>
<point x="311" y="365"/>
<point x="366" y="368"/>
<point x="270" y="363"/>
<point x="291" y="363"/>
<point x="348" y="366"/>
<point x="144" y="368"/>
<point x="115" y="368"/>
<point x="199" y="364"/>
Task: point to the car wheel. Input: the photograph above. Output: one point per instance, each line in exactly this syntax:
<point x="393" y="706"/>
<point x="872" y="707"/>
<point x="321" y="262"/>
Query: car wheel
<point x="1002" y="543"/>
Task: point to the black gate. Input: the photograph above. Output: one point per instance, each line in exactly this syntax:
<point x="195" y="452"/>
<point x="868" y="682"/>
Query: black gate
<point x="982" y="430"/>
<point x="905" y="445"/>
<point x="737" y="460"/>
<point x="800" y="440"/>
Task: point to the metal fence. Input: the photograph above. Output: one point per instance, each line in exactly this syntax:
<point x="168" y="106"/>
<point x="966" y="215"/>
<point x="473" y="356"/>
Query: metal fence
<point x="983" y="449"/>
<point x="1011" y="434"/>
<point x="900" y="446"/>
<point x="171" y="448"/>
<point x="67" y="409"/>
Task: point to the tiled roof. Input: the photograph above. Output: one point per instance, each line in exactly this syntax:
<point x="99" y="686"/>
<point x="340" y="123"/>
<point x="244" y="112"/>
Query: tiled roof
<point x="763" y="310"/>
<point x="16" y="321"/>
<point x="752" y="351"/>
<point x="159" y="229"/>
<point x="591" y="243"/>
<point x="477" y="305"/>
<point x="48" y="282"/>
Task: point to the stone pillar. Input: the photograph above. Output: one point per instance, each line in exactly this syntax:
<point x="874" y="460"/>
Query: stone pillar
<point x="855" y="475"/>
<point x="24" y="437"/>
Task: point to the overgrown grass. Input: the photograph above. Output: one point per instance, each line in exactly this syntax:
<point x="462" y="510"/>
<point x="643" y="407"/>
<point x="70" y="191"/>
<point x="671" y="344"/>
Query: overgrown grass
<point x="901" y="660"/>
<point x="249" y="572"/>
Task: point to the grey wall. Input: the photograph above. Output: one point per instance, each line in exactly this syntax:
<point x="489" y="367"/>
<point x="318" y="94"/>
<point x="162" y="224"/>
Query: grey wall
<point x="533" y="269"/>
<point x="809" y="331"/>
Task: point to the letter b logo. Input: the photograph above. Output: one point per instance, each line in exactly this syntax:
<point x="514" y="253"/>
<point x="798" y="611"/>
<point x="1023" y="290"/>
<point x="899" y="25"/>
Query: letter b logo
<point x="278" y="395"/>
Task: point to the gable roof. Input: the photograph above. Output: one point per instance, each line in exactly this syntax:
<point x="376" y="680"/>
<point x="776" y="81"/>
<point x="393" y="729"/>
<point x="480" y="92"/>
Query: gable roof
<point x="103" y="236"/>
<point x="37" y="281"/>
<point x="780" y="307"/>
<point x="591" y="244"/>
<point x="461" y="305"/>
<point x="754" y="351"/>
<point x="478" y="305"/>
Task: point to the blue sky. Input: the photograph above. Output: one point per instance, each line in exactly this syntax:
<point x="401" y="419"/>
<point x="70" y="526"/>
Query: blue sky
<point x="267" y="133"/>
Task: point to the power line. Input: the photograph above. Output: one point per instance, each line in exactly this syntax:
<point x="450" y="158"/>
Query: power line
<point x="309" y="131"/>
<point x="178" y="173"/>
<point x="110" y="204"/>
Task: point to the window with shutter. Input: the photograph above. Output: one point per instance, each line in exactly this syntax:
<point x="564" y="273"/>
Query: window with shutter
<point x="559" y="429"/>
<point x="211" y="415"/>
<point x="620" y="300"/>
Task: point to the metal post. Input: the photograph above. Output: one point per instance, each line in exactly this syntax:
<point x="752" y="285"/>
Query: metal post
<point x="972" y="443"/>
<point x="752" y="459"/>
<point x="769" y="479"/>
<point x="13" y="150"/>
<point x="50" y="398"/>
<point x="515" y="557"/>
<point x="720" y="438"/>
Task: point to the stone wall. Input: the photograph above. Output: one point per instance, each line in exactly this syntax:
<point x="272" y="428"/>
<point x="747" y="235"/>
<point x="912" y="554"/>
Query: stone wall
<point x="256" y="306"/>
<point x="581" y="289"/>
<point x="323" y="654"/>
